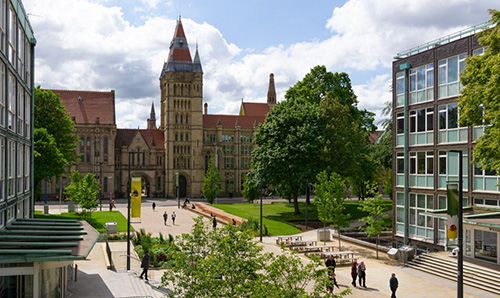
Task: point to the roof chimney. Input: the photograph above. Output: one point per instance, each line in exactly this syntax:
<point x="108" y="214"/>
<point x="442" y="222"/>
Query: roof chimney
<point x="206" y="108"/>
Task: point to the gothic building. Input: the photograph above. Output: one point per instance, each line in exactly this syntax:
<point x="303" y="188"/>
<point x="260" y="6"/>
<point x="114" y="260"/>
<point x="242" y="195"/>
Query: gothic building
<point x="182" y="144"/>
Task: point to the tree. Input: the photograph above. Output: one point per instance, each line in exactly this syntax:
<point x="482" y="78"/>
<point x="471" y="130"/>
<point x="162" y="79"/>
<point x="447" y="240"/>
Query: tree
<point x="479" y="103"/>
<point x="83" y="190"/>
<point x="329" y="200"/>
<point x="58" y="139"/>
<point x="227" y="263"/>
<point x="287" y="156"/>
<point x="375" y="218"/>
<point x="251" y="186"/>
<point x="211" y="183"/>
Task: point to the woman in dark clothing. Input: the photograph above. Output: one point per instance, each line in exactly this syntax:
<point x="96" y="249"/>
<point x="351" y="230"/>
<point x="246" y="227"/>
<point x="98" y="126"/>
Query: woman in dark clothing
<point x="354" y="272"/>
<point x="145" y="265"/>
<point x="362" y="274"/>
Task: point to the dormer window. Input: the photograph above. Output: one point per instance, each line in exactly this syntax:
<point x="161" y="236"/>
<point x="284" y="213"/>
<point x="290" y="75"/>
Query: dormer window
<point x="79" y="99"/>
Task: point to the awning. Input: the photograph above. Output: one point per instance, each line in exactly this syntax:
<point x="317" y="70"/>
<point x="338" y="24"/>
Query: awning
<point x="46" y="240"/>
<point x="471" y="216"/>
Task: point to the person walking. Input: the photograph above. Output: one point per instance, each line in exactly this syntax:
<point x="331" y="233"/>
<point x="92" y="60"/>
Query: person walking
<point x="154" y="206"/>
<point x="165" y="217"/>
<point x="362" y="274"/>
<point x="214" y="222"/>
<point x="173" y="218"/>
<point x="333" y="282"/>
<point x="145" y="265"/>
<point x="330" y="264"/>
<point x="393" y="284"/>
<point x="354" y="272"/>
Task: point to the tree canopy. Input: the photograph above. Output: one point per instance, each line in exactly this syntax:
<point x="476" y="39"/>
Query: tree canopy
<point x="211" y="188"/>
<point x="317" y="127"/>
<point x="83" y="190"/>
<point x="480" y="100"/>
<point x="55" y="138"/>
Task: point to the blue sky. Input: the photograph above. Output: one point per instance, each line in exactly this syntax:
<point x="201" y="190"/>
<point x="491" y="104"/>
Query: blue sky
<point x="121" y="45"/>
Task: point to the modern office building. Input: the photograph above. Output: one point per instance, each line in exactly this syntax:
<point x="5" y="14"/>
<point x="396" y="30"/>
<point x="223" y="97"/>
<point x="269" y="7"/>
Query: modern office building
<point x="426" y="138"/>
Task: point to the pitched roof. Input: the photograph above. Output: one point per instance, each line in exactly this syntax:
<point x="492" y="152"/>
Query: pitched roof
<point x="152" y="137"/>
<point x="232" y="120"/>
<point x="254" y="109"/>
<point x="86" y="106"/>
<point x="375" y="135"/>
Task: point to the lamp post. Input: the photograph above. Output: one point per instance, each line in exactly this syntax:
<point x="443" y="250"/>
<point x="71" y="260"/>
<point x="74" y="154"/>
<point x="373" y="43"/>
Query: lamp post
<point x="460" y="256"/>
<point x="100" y="182"/>
<point x="261" y="191"/>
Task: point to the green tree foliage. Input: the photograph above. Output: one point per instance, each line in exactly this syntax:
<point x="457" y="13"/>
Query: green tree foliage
<point x="83" y="190"/>
<point x="287" y="155"/>
<point x="57" y="140"/>
<point x="375" y="218"/>
<point x="329" y="200"/>
<point x="212" y="188"/>
<point x="251" y="186"/>
<point x="227" y="263"/>
<point x="480" y="100"/>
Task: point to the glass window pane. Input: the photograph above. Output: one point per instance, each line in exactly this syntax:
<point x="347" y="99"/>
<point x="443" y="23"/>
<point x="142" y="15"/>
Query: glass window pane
<point x="442" y="120"/>
<point x="421" y="162"/>
<point x="430" y="165"/>
<point x="421" y="201"/>
<point x="421" y="120"/>
<point x="421" y="78"/>
<point x="401" y="124"/>
<point x="452" y="116"/>
<point x="430" y="78"/>
<point x="453" y="69"/>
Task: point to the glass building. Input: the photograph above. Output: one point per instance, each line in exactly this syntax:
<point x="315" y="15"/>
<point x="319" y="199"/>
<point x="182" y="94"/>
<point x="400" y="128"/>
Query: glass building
<point x="426" y="138"/>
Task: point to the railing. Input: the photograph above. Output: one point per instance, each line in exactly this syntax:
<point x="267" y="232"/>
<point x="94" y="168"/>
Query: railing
<point x="110" y="255"/>
<point x="444" y="40"/>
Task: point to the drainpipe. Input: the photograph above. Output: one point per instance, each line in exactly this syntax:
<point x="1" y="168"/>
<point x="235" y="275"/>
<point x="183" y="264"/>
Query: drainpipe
<point x="405" y="67"/>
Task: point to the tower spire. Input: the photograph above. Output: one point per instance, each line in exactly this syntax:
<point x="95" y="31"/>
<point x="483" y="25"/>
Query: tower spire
<point x="152" y="117"/>
<point x="271" y="92"/>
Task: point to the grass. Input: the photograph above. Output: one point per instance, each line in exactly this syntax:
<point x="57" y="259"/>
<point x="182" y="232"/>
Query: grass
<point x="278" y="217"/>
<point x="99" y="219"/>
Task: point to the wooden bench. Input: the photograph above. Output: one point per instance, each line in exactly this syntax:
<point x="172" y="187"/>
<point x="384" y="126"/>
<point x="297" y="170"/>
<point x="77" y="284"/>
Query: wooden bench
<point x="300" y="243"/>
<point x="220" y="215"/>
<point x="341" y="257"/>
<point x="314" y="248"/>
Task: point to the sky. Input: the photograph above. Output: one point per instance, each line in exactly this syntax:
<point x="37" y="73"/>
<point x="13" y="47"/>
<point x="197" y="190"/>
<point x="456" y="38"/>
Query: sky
<point x="121" y="45"/>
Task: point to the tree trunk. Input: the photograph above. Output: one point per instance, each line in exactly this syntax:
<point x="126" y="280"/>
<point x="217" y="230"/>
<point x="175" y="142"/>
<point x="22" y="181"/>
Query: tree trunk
<point x="295" y="194"/>
<point x="338" y="231"/>
<point x="378" y="236"/>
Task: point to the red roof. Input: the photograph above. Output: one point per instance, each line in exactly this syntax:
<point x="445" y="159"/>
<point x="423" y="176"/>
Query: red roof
<point x="232" y="120"/>
<point x="181" y="54"/>
<point x="86" y="106"/>
<point x="375" y="135"/>
<point x="255" y="109"/>
<point x="152" y="137"/>
<point x="179" y="30"/>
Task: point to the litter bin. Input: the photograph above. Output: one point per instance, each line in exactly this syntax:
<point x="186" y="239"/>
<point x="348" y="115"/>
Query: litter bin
<point x="111" y="227"/>
<point x="393" y="253"/>
<point x="324" y="234"/>
<point x="406" y="253"/>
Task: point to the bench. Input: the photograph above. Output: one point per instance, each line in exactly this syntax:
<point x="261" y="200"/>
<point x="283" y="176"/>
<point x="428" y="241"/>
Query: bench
<point x="341" y="257"/>
<point x="221" y="216"/>
<point x="287" y="239"/>
<point x="314" y="248"/>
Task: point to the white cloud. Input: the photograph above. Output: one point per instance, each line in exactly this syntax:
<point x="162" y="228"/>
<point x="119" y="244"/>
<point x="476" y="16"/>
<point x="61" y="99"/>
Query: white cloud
<point x="85" y="45"/>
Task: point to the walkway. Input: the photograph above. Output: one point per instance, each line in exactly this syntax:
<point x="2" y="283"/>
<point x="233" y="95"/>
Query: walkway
<point x="94" y="280"/>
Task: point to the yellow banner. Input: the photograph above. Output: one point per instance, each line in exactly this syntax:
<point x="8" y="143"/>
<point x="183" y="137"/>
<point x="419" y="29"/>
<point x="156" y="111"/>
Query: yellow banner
<point x="135" y="196"/>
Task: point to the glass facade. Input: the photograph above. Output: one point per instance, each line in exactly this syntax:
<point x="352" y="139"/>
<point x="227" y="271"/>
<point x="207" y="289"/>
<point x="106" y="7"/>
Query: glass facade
<point x="16" y="101"/>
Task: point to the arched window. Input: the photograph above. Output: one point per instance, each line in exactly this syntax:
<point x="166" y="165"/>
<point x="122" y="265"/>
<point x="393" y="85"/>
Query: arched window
<point x="176" y="137"/>
<point x="187" y="137"/>
<point x="181" y="119"/>
<point x="182" y="136"/>
<point x="187" y="119"/>
<point x="88" y="149"/>
<point x="175" y="118"/>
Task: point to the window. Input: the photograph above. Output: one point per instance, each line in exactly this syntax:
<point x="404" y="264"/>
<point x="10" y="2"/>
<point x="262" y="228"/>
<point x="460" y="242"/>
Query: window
<point x="228" y="149"/>
<point x="421" y="226"/>
<point x="422" y="84"/>
<point x="88" y="150"/>
<point x="20" y="50"/>
<point x="448" y="168"/>
<point x="485" y="180"/>
<point x="400" y="88"/>
<point x="227" y="138"/>
<point x="449" y="75"/>
<point x="400" y="126"/>
<point x="479" y="51"/>
<point x="422" y="169"/>
<point x="20" y="110"/>
<point x="20" y="167"/>
<point x="3" y="24"/>
<point x="245" y="163"/>
<point x="449" y="130"/>
<point x="82" y="148"/>
<point x="210" y="138"/>
<point x="158" y="183"/>
<point x="487" y="202"/>
<point x="11" y="102"/>
<point x="400" y="213"/>
<point x="27" y="167"/>
<point x="245" y="150"/>
<point x="11" y="165"/>
<point x="229" y="182"/>
<point x="105" y="184"/>
<point x="12" y="36"/>
<point x="421" y="126"/>
<point x="2" y="167"/>
<point x="27" y="112"/>
<point x="2" y="93"/>
<point x="245" y="139"/>
<point x="229" y="163"/>
<point x="400" y="166"/>
<point x="105" y="149"/>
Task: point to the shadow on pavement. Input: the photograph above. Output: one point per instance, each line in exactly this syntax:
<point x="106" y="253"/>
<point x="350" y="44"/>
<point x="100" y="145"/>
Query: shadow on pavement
<point x="89" y="285"/>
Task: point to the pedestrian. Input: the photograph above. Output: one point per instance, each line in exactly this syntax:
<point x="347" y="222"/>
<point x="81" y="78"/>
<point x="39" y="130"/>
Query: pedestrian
<point x="154" y="206"/>
<point x="330" y="264"/>
<point x="354" y="272"/>
<point x="234" y="222"/>
<point x="393" y="284"/>
<point x="173" y="218"/>
<point x="362" y="274"/>
<point x="165" y="217"/>
<point x="214" y="222"/>
<point x="333" y="281"/>
<point x="145" y="265"/>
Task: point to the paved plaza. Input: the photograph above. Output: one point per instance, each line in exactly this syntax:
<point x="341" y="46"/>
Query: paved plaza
<point x="94" y="280"/>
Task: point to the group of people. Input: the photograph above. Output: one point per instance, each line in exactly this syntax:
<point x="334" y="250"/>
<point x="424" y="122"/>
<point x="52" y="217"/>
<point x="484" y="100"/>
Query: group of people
<point x="165" y="217"/>
<point x="358" y="272"/>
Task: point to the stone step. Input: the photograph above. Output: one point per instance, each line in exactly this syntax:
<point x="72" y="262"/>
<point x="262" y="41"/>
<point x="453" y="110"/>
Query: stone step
<point x="474" y="275"/>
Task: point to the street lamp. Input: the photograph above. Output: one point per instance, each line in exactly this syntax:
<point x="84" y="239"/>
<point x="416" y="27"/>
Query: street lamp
<point x="261" y="191"/>
<point x="460" y="256"/>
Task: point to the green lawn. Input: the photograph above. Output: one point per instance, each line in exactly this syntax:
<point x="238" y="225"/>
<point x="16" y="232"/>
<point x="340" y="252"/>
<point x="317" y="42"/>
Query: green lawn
<point x="279" y="216"/>
<point x="99" y="219"/>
